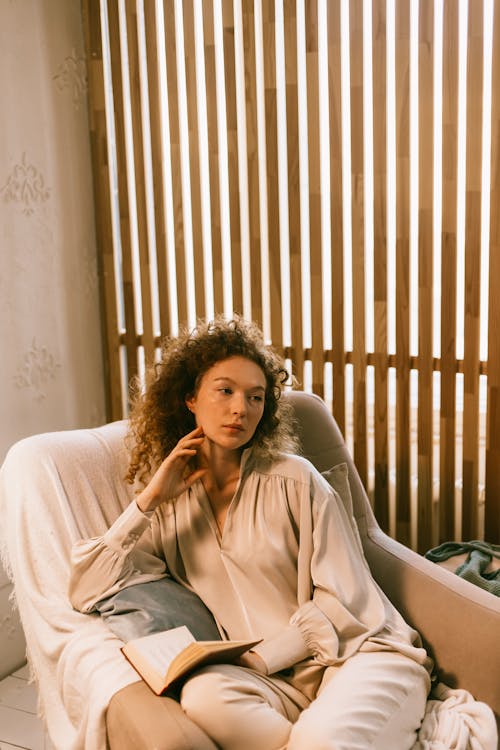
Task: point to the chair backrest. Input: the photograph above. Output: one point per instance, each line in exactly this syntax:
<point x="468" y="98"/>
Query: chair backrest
<point x="323" y="444"/>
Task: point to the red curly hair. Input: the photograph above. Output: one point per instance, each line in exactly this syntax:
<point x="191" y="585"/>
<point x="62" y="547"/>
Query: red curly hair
<point x="160" y="417"/>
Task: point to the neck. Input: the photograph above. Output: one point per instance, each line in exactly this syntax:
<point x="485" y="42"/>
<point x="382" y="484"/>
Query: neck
<point x="222" y="465"/>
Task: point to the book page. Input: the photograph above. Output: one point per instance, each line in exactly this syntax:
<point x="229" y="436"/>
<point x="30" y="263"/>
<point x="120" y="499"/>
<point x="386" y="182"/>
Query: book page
<point x="160" y="648"/>
<point x="206" y="652"/>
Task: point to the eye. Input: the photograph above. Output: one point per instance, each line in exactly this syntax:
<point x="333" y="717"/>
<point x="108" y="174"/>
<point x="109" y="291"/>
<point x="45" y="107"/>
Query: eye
<point x="257" y="399"/>
<point x="226" y="390"/>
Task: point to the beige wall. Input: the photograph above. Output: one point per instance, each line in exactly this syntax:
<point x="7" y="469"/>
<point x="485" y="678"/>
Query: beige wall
<point x="49" y="308"/>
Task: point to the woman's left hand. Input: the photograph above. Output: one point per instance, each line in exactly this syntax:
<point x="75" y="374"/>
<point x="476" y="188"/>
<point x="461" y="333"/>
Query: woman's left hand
<point x="174" y="475"/>
<point x="252" y="660"/>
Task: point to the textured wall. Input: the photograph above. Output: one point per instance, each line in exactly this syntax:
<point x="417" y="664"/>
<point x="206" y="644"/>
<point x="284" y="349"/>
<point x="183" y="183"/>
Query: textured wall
<point x="49" y="308"/>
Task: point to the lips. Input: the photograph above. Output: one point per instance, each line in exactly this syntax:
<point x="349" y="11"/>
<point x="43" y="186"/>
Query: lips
<point x="238" y="427"/>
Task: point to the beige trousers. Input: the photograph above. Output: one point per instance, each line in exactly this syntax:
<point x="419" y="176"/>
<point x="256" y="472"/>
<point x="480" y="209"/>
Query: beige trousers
<point x="375" y="701"/>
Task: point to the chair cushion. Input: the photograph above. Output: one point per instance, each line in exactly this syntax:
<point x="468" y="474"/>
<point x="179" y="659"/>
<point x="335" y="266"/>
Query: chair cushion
<point x="154" y="606"/>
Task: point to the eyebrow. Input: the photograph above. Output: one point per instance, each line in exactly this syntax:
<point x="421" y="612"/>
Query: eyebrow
<point x="229" y="380"/>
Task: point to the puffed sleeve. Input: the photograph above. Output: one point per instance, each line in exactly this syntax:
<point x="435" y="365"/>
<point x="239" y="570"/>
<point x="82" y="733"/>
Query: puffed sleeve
<point x="345" y="610"/>
<point x="124" y="555"/>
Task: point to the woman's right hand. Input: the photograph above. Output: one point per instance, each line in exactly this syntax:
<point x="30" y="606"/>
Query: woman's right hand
<point x="173" y="476"/>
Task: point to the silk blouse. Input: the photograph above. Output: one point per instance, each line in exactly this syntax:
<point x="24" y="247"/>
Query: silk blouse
<point x="288" y="568"/>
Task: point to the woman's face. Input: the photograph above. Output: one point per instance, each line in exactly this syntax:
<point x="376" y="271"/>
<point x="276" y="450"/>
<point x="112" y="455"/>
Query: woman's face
<point x="229" y="402"/>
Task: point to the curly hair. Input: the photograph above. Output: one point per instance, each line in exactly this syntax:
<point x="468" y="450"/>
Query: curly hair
<point x="159" y="416"/>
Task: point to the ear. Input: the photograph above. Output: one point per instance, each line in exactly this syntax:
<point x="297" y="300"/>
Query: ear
<point x="190" y="402"/>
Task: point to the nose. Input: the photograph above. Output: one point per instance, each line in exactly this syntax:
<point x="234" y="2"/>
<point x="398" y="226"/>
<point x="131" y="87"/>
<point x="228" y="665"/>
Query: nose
<point x="239" y="404"/>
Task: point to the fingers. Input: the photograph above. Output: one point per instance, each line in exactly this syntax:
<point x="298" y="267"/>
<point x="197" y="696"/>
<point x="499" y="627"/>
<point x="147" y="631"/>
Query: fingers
<point x="189" y="444"/>
<point x="196" y="436"/>
<point x="191" y="478"/>
<point x="252" y="660"/>
<point x="197" y="432"/>
<point x="186" y="448"/>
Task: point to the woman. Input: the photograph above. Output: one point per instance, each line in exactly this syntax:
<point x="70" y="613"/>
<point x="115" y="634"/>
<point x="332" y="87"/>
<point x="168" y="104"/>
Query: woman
<point x="231" y="513"/>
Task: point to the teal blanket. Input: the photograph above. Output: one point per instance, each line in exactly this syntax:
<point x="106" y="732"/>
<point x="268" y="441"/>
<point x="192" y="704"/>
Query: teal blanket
<point x="474" y="567"/>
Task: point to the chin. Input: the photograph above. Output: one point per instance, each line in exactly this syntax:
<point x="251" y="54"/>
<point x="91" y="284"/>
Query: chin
<point x="233" y="443"/>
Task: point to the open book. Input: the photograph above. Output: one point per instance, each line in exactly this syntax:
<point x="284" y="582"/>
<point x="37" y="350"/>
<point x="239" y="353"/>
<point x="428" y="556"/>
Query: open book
<point x="162" y="658"/>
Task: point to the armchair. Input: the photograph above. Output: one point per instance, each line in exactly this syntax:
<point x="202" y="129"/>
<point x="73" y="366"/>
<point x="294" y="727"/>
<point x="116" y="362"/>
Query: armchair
<point x="57" y="487"/>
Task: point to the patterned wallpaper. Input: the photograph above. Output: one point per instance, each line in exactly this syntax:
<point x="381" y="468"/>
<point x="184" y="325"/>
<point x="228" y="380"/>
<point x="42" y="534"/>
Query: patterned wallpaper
<point x="49" y="306"/>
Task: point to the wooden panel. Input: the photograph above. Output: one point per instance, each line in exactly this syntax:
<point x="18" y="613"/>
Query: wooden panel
<point x="472" y="270"/>
<point x="292" y="127"/>
<point x="311" y="21"/>
<point x="381" y="504"/>
<point x="492" y="494"/>
<point x="336" y="215"/>
<point x="123" y="196"/>
<point x="425" y="275"/>
<point x="447" y="439"/>
<point x="269" y="43"/>
<point x="358" y="237"/>
<point x="402" y="273"/>
<point x="194" y="158"/>
<point x="232" y="148"/>
<point x="175" y="156"/>
<point x="139" y="180"/>
<point x="104" y="231"/>
<point x="150" y="22"/>
<point x="252" y="158"/>
<point x="213" y="153"/>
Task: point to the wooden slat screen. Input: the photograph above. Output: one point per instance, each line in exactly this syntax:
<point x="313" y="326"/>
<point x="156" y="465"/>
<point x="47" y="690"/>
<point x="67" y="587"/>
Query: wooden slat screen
<point x="331" y="169"/>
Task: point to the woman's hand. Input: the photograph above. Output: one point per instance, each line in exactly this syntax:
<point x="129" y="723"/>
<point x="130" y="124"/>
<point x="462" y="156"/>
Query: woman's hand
<point x="252" y="660"/>
<point x="173" y="475"/>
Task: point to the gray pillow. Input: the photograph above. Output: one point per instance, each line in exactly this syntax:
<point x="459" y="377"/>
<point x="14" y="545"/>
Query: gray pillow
<point x="145" y="608"/>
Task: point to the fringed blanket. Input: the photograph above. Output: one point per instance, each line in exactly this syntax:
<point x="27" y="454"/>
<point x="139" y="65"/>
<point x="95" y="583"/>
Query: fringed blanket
<point x="50" y="495"/>
<point x="455" y="721"/>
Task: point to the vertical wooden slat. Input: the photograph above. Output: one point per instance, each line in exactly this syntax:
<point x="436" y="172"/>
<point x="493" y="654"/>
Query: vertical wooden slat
<point x="358" y="238"/>
<point x="104" y="232"/>
<point x="269" y="43"/>
<point x="175" y="155"/>
<point x="252" y="158"/>
<point x="315" y="237"/>
<point x="150" y="21"/>
<point x="213" y="154"/>
<point x="140" y="180"/>
<point x="402" y="272"/>
<point x="336" y="215"/>
<point x="472" y="269"/>
<point x="425" y="274"/>
<point x="232" y="147"/>
<point x="492" y="493"/>
<point x="123" y="198"/>
<point x="194" y="157"/>
<point x="292" y="125"/>
<point x="447" y="438"/>
<point x="379" y="32"/>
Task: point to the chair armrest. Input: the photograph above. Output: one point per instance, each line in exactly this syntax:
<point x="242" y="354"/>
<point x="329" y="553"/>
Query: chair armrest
<point x="459" y="622"/>
<point x="136" y="717"/>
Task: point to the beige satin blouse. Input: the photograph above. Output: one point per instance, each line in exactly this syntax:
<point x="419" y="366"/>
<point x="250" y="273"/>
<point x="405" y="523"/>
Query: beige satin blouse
<point x="288" y="568"/>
